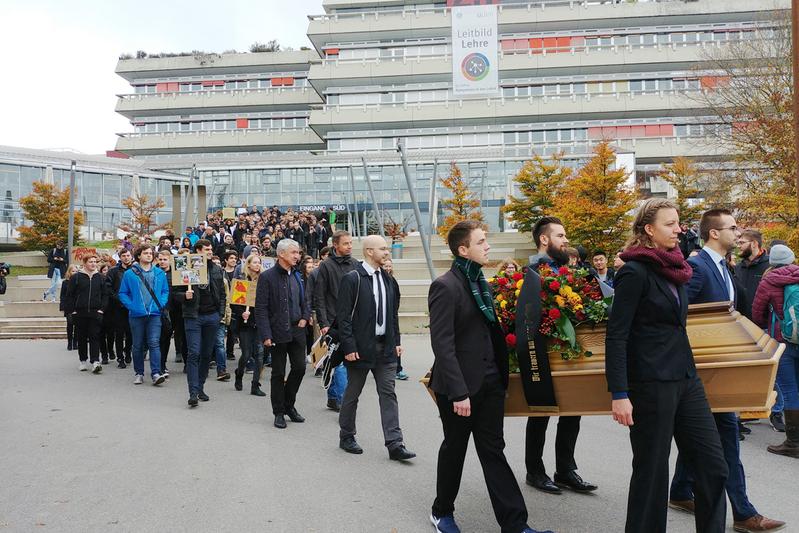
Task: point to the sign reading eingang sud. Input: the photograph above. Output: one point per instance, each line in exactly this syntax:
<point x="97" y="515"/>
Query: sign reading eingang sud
<point x="475" y="61"/>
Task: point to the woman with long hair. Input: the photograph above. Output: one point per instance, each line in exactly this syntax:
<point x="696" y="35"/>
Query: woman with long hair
<point x="245" y="328"/>
<point x="72" y="343"/>
<point x="509" y="265"/>
<point x="651" y="375"/>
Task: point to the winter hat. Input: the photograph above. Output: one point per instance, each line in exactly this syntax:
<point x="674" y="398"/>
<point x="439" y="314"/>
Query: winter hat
<point x="781" y="255"/>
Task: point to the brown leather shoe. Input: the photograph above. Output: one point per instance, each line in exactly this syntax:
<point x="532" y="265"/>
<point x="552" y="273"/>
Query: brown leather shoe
<point x="686" y="506"/>
<point x="758" y="523"/>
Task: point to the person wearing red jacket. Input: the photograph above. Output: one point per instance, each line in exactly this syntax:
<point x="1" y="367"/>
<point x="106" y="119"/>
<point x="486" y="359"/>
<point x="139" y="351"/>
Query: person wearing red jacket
<point x="767" y="312"/>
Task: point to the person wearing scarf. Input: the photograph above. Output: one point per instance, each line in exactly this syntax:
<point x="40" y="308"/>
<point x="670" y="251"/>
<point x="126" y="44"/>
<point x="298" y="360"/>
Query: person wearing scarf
<point x="651" y="375"/>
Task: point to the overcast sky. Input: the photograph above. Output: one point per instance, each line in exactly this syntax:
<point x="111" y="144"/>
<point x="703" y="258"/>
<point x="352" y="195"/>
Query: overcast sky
<point x="59" y="86"/>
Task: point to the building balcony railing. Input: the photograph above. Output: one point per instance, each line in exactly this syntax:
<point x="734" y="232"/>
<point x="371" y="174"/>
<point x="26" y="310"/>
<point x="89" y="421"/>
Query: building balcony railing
<point x="245" y="140"/>
<point x="223" y="100"/>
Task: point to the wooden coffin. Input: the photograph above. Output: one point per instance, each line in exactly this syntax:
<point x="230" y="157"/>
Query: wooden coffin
<point x="736" y="361"/>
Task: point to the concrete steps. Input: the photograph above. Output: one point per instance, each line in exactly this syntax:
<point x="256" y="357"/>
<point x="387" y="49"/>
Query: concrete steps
<point x="29" y="309"/>
<point x="33" y="328"/>
<point x="26" y="259"/>
<point x="413" y="323"/>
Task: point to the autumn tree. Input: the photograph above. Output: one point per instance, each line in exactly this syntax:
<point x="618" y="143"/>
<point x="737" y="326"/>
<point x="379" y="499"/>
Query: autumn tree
<point x="540" y="181"/>
<point x="48" y="210"/>
<point x="595" y="204"/>
<point x="463" y="204"/>
<point x="752" y="96"/>
<point x="142" y="215"/>
<point x="685" y="179"/>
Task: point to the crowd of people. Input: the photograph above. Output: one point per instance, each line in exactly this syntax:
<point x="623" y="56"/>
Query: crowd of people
<point x="308" y="284"/>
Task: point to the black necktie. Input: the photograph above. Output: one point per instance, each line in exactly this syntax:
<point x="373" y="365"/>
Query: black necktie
<point x="379" y="299"/>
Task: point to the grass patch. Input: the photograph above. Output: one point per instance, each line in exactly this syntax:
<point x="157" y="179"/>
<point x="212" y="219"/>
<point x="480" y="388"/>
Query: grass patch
<point x="102" y="245"/>
<point x="27" y="271"/>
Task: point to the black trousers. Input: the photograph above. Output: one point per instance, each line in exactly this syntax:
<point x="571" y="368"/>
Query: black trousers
<point x="284" y="389"/>
<point x="232" y="337"/>
<point x="565" y="442"/>
<point x="678" y="409"/>
<point x="71" y="338"/>
<point x="486" y="426"/>
<point x="87" y="332"/>
<point x="123" y="338"/>
<point x="179" y="333"/>
<point x="164" y="342"/>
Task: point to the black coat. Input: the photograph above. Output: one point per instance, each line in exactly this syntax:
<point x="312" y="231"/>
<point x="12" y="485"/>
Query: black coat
<point x="462" y="339"/>
<point x="85" y="295"/>
<point x="646" y="336"/>
<point x="113" y="279"/>
<point x="326" y="287"/>
<point x="236" y="322"/>
<point x="54" y="263"/>
<point x="272" y="305"/>
<point x="749" y="274"/>
<point x="356" y="330"/>
<point x="216" y="284"/>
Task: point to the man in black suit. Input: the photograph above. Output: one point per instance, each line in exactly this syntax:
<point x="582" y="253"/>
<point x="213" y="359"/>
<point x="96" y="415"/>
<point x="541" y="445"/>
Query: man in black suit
<point x="469" y="378"/>
<point x="367" y="311"/>
<point x="549" y="236"/>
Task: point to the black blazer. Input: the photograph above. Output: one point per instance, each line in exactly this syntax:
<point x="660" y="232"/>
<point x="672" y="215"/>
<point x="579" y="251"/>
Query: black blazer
<point x="357" y="334"/>
<point x="462" y="339"/>
<point x="646" y="336"/>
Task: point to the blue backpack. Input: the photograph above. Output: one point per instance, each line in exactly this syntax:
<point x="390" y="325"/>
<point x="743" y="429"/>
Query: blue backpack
<point x="789" y="325"/>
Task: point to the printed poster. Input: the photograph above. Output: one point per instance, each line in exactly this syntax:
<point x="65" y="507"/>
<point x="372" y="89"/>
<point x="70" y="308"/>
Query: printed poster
<point x="242" y="292"/>
<point x="475" y="60"/>
<point x="189" y="269"/>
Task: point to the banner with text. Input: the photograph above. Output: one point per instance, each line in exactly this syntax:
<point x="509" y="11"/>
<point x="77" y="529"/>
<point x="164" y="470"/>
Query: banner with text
<point x="475" y="62"/>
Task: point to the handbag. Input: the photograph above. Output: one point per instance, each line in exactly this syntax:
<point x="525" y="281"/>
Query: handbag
<point x="166" y="322"/>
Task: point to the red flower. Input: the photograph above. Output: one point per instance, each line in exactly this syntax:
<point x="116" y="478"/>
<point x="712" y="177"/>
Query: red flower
<point x="543" y="293"/>
<point x="554" y="314"/>
<point x="554" y="286"/>
<point x="510" y="340"/>
<point x="570" y="278"/>
<point x="502" y="281"/>
<point x="580" y="315"/>
<point x="563" y="270"/>
<point x="517" y="276"/>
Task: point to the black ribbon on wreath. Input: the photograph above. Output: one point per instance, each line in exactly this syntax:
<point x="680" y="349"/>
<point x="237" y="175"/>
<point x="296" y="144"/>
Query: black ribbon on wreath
<point x="531" y="347"/>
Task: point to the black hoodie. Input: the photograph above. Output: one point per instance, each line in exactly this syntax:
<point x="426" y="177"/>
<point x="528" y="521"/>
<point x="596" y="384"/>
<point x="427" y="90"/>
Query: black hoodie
<point x="325" y="292"/>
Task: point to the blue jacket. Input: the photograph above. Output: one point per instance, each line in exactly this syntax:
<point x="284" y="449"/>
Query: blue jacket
<point x="706" y="284"/>
<point x="130" y="292"/>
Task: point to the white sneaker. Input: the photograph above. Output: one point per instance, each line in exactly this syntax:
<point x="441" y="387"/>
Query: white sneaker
<point x="158" y="379"/>
<point x="138" y="380"/>
<point x="97" y="367"/>
<point x="84" y="366"/>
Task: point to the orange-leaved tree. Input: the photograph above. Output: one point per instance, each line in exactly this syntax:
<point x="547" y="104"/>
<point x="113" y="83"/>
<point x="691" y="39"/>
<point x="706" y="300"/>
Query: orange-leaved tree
<point x="462" y="205"/>
<point x="540" y="181"/>
<point x="595" y="205"/>
<point x="142" y="215"/>
<point x="685" y="178"/>
<point x="47" y="208"/>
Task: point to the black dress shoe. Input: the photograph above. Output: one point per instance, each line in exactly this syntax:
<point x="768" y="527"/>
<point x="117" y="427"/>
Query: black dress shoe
<point x="280" y="421"/>
<point x="294" y="416"/>
<point x="204" y="397"/>
<point x="743" y="429"/>
<point x="571" y="480"/>
<point x="237" y="383"/>
<point x="256" y="391"/>
<point x="400" y="453"/>
<point x="350" y="446"/>
<point x="333" y="404"/>
<point x="193" y="400"/>
<point x="121" y="363"/>
<point x="543" y="483"/>
<point x="127" y="359"/>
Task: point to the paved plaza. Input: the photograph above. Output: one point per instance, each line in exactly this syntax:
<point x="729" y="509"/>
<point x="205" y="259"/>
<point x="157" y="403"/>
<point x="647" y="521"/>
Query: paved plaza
<point x="86" y="453"/>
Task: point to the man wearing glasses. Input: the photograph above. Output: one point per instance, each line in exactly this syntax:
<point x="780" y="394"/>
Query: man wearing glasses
<point x="713" y="281"/>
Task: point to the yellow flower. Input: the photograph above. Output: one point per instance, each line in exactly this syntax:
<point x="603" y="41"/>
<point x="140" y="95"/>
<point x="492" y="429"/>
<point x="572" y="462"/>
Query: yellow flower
<point x="491" y="280"/>
<point x="565" y="290"/>
<point x="503" y="304"/>
<point x="500" y="297"/>
<point x="518" y="292"/>
<point x="560" y="301"/>
<point x="519" y="284"/>
<point x="578" y="307"/>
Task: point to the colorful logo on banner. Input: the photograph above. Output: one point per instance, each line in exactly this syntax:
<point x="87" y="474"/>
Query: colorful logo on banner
<point x="475" y="67"/>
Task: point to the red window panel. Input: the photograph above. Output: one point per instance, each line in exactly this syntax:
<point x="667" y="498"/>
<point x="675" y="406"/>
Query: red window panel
<point x="332" y="52"/>
<point x="637" y="131"/>
<point x="219" y="83"/>
<point x="609" y="132"/>
<point x="173" y="87"/>
<point x="521" y="44"/>
<point x="550" y="42"/>
<point x="623" y="132"/>
<point x="242" y="123"/>
<point x="161" y="87"/>
<point x="536" y="45"/>
<point x="277" y="82"/>
<point x="563" y="43"/>
<point x="507" y="44"/>
<point x="667" y="130"/>
<point x="652" y="131"/>
<point x="208" y="84"/>
<point x="708" y="82"/>
<point x="595" y="132"/>
<point x="288" y="81"/>
<point x="114" y="153"/>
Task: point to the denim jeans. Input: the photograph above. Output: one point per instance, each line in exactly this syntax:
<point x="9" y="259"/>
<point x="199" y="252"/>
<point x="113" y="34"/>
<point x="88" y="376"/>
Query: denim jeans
<point x="146" y="332"/>
<point x="779" y="403"/>
<point x="53" y="290"/>
<point x="788" y="376"/>
<point x="338" y="384"/>
<point x="201" y="342"/>
<point x="682" y="484"/>
<point x="220" y="348"/>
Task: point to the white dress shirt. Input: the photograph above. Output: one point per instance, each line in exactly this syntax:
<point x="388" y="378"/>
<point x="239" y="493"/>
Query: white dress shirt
<point x="380" y="329"/>
<point x="717" y="259"/>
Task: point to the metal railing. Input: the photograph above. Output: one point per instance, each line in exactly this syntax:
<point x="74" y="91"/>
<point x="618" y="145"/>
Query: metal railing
<point x="214" y="92"/>
<point x="208" y="133"/>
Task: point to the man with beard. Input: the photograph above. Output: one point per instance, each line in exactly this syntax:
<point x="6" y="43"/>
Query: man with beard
<point x="550" y="239"/>
<point x="754" y="263"/>
<point x="118" y="314"/>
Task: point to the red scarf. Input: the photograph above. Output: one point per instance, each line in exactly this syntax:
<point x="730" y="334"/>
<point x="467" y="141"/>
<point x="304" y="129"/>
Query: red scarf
<point x="668" y="263"/>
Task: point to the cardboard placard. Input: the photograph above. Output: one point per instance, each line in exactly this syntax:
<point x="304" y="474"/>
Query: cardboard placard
<point x="228" y="212"/>
<point x="267" y="263"/>
<point x="242" y="292"/>
<point x="189" y="269"/>
<point x="79" y="253"/>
